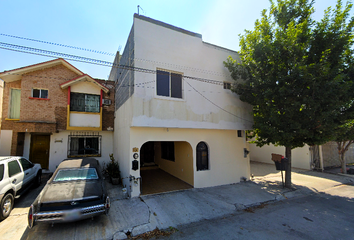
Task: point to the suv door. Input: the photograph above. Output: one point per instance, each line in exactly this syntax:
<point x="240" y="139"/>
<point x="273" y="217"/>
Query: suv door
<point x="15" y="174"/>
<point x="29" y="171"/>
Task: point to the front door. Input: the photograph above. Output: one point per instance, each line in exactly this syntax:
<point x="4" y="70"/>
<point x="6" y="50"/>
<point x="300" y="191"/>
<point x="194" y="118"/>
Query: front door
<point x="39" y="152"/>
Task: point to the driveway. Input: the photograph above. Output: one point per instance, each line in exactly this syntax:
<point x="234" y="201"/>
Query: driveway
<point x="15" y="225"/>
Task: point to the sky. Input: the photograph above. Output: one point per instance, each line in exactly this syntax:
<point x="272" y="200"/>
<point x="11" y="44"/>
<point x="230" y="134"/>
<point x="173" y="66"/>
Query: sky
<point x="103" y="26"/>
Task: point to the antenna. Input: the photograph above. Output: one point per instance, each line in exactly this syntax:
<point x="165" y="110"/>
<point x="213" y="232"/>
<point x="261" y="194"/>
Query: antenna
<point x="141" y="9"/>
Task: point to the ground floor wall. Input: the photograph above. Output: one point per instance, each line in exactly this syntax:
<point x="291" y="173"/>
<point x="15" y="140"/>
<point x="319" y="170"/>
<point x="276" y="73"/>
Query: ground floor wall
<point x="58" y="146"/>
<point x="300" y="157"/>
<point x="5" y="142"/>
<point x="227" y="162"/>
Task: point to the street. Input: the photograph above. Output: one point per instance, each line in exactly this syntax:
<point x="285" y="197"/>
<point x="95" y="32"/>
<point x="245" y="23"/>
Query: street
<point x="317" y="216"/>
<point x="319" y="207"/>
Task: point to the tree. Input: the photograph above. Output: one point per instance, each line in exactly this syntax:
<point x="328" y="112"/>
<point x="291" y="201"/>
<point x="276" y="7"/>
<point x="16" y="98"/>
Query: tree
<point x="297" y="73"/>
<point x="344" y="138"/>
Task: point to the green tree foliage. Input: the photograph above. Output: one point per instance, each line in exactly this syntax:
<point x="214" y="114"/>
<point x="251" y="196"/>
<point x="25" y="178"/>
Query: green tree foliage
<point x="297" y="73"/>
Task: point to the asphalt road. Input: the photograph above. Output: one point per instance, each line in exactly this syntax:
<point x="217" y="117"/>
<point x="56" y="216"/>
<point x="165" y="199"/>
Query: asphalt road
<point x="316" y="216"/>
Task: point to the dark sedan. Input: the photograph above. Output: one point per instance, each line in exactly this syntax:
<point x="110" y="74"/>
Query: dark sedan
<point x="75" y="191"/>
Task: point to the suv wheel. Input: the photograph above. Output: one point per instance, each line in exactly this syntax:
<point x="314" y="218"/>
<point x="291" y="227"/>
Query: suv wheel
<point x="38" y="180"/>
<point x="6" y="206"/>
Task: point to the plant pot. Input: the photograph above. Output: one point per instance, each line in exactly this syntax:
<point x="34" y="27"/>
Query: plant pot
<point x="115" y="181"/>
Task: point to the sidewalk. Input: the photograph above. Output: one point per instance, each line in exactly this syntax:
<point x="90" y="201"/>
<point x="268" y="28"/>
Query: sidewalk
<point x="146" y="213"/>
<point x="183" y="207"/>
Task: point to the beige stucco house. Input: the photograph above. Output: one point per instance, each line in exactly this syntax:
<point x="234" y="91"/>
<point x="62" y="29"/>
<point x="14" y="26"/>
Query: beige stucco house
<point x="175" y="110"/>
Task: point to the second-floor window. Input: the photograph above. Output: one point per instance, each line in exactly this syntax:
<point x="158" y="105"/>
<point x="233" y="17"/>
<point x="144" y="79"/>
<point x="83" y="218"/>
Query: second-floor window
<point x="15" y="103"/>
<point x="82" y="102"/>
<point x="39" y="93"/>
<point x="168" y="84"/>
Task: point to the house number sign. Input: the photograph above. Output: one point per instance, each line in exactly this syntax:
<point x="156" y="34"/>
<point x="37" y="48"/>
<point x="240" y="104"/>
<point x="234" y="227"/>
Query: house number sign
<point x="135" y="149"/>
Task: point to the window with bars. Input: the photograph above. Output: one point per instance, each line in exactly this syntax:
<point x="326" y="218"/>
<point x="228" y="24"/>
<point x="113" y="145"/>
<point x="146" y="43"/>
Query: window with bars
<point x="82" y="102"/>
<point x="86" y="145"/>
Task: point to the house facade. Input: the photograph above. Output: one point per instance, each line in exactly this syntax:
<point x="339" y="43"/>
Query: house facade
<point x="174" y="109"/>
<point x="53" y="111"/>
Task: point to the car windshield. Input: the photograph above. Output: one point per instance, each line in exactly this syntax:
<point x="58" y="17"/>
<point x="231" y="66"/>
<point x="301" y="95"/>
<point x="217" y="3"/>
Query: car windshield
<point x="76" y="174"/>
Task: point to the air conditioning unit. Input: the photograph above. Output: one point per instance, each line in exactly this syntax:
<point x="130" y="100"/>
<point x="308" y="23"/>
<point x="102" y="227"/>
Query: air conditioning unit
<point x="106" y="101"/>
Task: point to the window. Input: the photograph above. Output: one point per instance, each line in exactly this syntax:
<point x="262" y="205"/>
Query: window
<point x="76" y="174"/>
<point x="168" y="150"/>
<point x="25" y="164"/>
<point x="239" y="133"/>
<point x="84" y="102"/>
<point x="15" y="102"/>
<point x="202" y="156"/>
<point x="227" y="85"/>
<point x="14" y="168"/>
<point x="39" y="93"/>
<point x="168" y="84"/>
<point x="84" y="146"/>
<point x="1" y="171"/>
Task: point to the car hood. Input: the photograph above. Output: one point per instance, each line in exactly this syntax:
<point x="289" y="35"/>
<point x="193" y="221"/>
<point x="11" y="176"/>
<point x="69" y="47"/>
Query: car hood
<point x="71" y="190"/>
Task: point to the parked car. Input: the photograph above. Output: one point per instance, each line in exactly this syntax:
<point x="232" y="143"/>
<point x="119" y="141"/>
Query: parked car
<point x="17" y="174"/>
<point x="75" y="191"/>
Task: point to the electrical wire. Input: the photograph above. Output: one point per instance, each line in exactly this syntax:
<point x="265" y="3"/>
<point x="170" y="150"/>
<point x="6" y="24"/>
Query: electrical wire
<point x="58" y="44"/>
<point x="47" y="53"/>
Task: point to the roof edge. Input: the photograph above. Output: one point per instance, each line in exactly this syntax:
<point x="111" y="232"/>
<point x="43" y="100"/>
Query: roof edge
<point x="166" y="25"/>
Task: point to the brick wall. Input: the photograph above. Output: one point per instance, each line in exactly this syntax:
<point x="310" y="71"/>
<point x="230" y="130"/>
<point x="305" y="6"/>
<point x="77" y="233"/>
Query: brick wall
<point x="108" y="110"/>
<point x="44" y="110"/>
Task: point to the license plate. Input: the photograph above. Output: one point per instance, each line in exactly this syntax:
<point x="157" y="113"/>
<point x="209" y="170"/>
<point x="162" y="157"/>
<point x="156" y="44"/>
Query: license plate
<point x="72" y="215"/>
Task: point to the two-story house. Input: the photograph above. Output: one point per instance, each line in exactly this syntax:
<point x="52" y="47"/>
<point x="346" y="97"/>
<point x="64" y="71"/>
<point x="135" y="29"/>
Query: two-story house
<point x="174" y="109"/>
<point x="53" y="111"/>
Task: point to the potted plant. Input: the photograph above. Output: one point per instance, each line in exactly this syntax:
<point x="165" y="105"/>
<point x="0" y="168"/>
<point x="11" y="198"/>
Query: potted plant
<point x="112" y="169"/>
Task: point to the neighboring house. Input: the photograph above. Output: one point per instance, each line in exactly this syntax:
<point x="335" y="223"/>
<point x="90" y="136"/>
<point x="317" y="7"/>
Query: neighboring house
<point x="175" y="109"/>
<point x="317" y="157"/>
<point x="53" y="111"/>
<point x="300" y="157"/>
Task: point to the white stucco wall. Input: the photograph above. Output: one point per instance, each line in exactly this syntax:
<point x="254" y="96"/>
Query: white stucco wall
<point x="122" y="147"/>
<point x="86" y="87"/>
<point x="26" y="147"/>
<point x="59" y="146"/>
<point x="300" y="157"/>
<point x="5" y="142"/>
<point x="85" y="120"/>
<point x="158" y="47"/>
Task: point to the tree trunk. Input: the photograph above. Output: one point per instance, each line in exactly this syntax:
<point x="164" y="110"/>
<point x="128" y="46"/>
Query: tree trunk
<point x="343" y="162"/>
<point x="288" y="170"/>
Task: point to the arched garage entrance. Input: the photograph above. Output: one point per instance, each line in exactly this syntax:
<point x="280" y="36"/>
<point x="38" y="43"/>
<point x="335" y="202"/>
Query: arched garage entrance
<point x="166" y="166"/>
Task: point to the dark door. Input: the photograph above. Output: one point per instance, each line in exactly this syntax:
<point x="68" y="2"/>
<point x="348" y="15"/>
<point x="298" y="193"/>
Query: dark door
<point x="147" y="154"/>
<point x="39" y="152"/>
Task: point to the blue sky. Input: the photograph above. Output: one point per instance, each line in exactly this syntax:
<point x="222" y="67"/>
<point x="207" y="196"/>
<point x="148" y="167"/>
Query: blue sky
<point x="104" y="25"/>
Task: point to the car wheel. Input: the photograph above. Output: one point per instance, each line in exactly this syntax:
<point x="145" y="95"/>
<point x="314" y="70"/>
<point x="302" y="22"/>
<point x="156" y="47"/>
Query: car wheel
<point x="31" y="220"/>
<point x="7" y="204"/>
<point x="107" y="205"/>
<point x="38" y="180"/>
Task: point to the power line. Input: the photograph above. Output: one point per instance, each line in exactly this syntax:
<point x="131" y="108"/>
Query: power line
<point x="217" y="105"/>
<point x="46" y="53"/>
<point x="58" y="44"/>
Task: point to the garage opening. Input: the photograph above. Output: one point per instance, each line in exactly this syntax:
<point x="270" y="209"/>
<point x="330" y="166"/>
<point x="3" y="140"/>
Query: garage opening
<point x="166" y="166"/>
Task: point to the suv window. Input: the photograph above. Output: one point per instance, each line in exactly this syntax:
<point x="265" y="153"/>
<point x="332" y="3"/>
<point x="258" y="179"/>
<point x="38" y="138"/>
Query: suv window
<point x="25" y="164"/>
<point x="1" y="172"/>
<point x="14" y="168"/>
